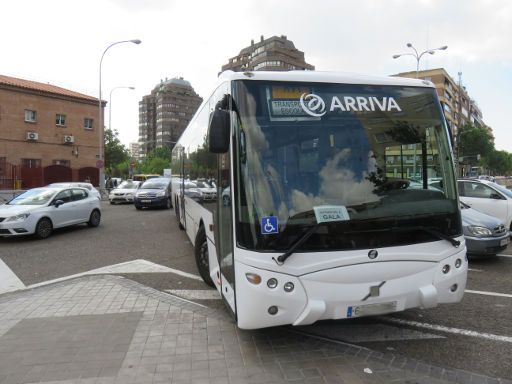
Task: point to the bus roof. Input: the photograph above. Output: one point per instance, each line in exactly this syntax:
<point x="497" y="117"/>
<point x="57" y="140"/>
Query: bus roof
<point x="324" y="77"/>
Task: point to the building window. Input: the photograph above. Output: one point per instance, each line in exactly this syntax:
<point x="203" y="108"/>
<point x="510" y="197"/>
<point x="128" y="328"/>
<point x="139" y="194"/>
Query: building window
<point x="31" y="163"/>
<point x="88" y="123"/>
<point x="65" y="163"/>
<point x="60" y="119"/>
<point x="30" y="116"/>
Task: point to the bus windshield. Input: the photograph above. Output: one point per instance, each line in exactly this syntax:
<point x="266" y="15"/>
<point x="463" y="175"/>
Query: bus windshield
<point x="372" y="163"/>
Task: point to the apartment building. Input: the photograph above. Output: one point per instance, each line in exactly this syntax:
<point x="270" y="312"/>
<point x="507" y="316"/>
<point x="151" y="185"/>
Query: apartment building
<point x="47" y="134"/>
<point x="276" y="53"/>
<point x="459" y="108"/>
<point x="165" y="113"/>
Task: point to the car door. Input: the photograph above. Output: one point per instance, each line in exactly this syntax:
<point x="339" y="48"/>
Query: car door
<point x="65" y="213"/>
<point x="484" y="199"/>
<point x="83" y="205"/>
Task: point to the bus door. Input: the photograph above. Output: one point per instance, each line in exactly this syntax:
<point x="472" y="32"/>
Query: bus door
<point x="224" y="224"/>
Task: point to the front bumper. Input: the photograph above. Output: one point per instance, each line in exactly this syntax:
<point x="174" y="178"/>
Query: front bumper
<point x="487" y="245"/>
<point x="121" y="198"/>
<point x="349" y="291"/>
<point x="151" y="201"/>
<point x="17" y="228"/>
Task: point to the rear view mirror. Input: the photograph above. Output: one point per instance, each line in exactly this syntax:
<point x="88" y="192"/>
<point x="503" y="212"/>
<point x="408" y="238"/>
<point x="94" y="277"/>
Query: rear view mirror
<point x="219" y="131"/>
<point x="58" y="203"/>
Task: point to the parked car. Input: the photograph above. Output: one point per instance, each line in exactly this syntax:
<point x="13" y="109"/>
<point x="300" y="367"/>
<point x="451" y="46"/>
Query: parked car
<point x="208" y="191"/>
<point x="85" y="185"/>
<point x="39" y="211"/>
<point x="487" y="197"/>
<point x="154" y="192"/>
<point x="484" y="234"/>
<point x="192" y="191"/>
<point x="125" y="192"/>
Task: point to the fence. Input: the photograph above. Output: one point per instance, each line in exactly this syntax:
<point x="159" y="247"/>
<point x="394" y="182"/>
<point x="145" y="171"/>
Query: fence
<point x="19" y="177"/>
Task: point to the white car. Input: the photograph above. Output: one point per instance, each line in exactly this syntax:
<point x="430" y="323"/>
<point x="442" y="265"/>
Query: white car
<point x="40" y="210"/>
<point x="85" y="185"/>
<point x="125" y="192"/>
<point x="487" y="197"/>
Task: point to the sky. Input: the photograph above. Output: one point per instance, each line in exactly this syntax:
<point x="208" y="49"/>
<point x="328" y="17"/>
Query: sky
<point x="61" y="43"/>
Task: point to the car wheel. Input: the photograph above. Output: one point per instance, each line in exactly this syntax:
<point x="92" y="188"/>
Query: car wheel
<point x="94" y="219"/>
<point x="201" y="254"/>
<point x="168" y="204"/>
<point x="177" y="213"/>
<point x="44" y="228"/>
<point x="138" y="207"/>
<point x="111" y="202"/>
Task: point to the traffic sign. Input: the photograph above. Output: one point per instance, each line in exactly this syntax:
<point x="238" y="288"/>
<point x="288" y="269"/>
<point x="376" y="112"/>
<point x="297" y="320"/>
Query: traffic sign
<point x="99" y="164"/>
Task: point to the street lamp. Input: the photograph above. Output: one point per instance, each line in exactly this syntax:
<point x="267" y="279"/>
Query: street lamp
<point x="110" y="104"/>
<point x="418" y="56"/>
<point x="100" y="123"/>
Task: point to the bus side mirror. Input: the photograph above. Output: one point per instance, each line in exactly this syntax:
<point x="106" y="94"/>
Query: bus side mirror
<point x="218" y="132"/>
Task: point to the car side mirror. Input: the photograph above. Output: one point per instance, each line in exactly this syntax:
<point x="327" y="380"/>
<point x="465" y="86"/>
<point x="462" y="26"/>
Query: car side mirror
<point x="218" y="131"/>
<point x="58" y="203"/>
<point x="496" y="196"/>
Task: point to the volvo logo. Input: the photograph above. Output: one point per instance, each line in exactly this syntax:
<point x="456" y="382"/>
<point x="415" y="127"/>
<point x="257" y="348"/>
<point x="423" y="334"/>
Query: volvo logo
<point x="312" y="104"/>
<point x="373" y="254"/>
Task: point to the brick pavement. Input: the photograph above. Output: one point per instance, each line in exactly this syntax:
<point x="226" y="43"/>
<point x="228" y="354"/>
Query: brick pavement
<point x="109" y="330"/>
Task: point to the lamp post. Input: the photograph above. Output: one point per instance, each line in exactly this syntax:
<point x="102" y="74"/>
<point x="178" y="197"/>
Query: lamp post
<point x="110" y="104"/>
<point x="418" y="56"/>
<point x="100" y="122"/>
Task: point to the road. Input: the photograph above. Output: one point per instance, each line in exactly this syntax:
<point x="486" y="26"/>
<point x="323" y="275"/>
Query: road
<point x="475" y="335"/>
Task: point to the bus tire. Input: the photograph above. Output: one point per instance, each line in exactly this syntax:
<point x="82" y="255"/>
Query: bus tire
<point x="201" y="254"/>
<point x="177" y="212"/>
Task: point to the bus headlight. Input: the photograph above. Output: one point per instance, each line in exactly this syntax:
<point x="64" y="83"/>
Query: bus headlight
<point x="458" y="263"/>
<point x="288" y="287"/>
<point x="272" y="283"/>
<point x="446" y="269"/>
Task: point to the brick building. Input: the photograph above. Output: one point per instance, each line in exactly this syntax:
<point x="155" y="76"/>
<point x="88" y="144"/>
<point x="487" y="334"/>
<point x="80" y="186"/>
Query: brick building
<point x="276" y="53"/>
<point x="165" y="113"/>
<point x="47" y="134"/>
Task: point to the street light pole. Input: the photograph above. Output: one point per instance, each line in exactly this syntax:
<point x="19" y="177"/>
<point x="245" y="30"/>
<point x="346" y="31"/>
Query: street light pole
<point x="418" y="56"/>
<point x="110" y="105"/>
<point x="100" y="112"/>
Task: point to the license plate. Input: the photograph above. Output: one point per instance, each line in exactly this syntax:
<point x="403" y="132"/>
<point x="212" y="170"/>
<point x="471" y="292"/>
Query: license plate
<point x="145" y="201"/>
<point x="504" y="241"/>
<point x="371" y="309"/>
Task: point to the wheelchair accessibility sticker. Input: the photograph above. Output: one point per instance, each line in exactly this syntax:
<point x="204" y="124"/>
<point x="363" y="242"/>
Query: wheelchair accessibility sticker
<point x="269" y="225"/>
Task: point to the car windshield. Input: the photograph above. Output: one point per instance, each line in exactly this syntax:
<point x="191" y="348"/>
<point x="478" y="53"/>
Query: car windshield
<point x="37" y="196"/>
<point x="367" y="153"/>
<point x="154" y="184"/>
<point x="203" y="184"/>
<point x="503" y="190"/>
<point x="128" y="185"/>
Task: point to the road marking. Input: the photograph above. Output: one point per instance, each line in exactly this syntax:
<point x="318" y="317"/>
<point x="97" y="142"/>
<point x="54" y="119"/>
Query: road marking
<point x="8" y="280"/>
<point x="440" y="328"/>
<point x="497" y="294"/>
<point x="475" y="270"/>
<point x="195" y="294"/>
<point x="134" y="266"/>
<point x="503" y="255"/>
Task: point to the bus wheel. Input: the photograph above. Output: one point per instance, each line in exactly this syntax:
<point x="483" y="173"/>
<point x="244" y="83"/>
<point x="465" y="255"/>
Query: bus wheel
<point x="177" y="213"/>
<point x="201" y="253"/>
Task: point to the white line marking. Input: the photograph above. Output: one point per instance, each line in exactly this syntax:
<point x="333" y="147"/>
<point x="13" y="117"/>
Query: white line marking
<point x="497" y="294"/>
<point x="195" y="294"/>
<point x="475" y="270"/>
<point x="8" y="279"/>
<point x="134" y="266"/>
<point x="503" y="255"/>
<point x="457" y="331"/>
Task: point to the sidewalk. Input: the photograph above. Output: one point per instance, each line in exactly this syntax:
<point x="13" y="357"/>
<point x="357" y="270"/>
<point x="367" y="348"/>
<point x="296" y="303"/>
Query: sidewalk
<point x="107" y="329"/>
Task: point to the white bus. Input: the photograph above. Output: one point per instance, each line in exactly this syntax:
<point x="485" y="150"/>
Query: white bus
<point x="324" y="207"/>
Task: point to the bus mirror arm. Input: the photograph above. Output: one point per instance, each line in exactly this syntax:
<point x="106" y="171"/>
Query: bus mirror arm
<point x="218" y="131"/>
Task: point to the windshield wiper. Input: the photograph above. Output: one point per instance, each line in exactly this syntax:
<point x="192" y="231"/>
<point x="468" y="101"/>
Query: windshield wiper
<point x="433" y="232"/>
<point x="282" y="258"/>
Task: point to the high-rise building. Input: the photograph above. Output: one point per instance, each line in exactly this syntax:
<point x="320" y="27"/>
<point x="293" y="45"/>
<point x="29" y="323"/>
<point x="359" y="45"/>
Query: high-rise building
<point x="165" y="113"/>
<point x="276" y="53"/>
<point x="459" y="108"/>
<point x="134" y="149"/>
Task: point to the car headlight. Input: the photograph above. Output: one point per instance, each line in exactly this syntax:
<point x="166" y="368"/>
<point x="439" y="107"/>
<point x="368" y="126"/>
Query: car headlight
<point x="129" y="194"/>
<point x="19" y="217"/>
<point x="160" y="193"/>
<point x="479" y="231"/>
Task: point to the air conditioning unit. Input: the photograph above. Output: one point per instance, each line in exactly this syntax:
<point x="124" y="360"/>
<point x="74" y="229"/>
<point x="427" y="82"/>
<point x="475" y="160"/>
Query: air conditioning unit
<point x="68" y="139"/>
<point x="32" y="136"/>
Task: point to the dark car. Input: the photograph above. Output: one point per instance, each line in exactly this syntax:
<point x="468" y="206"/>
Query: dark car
<point x="484" y="234"/>
<point x="154" y="193"/>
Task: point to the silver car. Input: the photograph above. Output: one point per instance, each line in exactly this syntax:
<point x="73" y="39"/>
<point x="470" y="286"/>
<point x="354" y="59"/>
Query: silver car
<point x="484" y="234"/>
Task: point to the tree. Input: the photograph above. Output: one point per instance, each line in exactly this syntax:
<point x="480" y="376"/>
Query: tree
<point x="115" y="152"/>
<point x="156" y="161"/>
<point x="473" y="141"/>
<point x="499" y="162"/>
